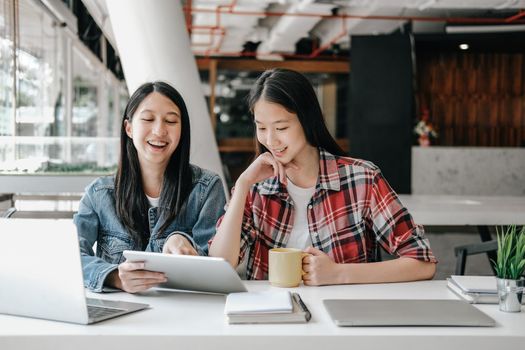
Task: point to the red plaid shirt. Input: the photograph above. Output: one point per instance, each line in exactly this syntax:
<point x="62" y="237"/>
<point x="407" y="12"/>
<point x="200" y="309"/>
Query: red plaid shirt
<point x="352" y="211"/>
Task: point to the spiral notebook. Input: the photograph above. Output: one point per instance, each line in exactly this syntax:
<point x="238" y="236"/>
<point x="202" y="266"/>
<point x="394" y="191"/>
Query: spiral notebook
<point x="266" y="307"/>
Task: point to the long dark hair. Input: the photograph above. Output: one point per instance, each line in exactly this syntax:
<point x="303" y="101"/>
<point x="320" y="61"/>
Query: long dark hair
<point x="295" y="93"/>
<point x="130" y="200"/>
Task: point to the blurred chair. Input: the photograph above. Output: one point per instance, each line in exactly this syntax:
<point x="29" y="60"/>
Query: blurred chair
<point x="4" y="197"/>
<point x="463" y="251"/>
<point x="9" y="212"/>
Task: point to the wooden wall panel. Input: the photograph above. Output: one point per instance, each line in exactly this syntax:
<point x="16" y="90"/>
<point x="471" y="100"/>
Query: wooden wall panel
<point x="475" y="99"/>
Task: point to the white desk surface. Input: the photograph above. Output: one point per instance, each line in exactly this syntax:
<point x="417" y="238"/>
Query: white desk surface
<point x="451" y="210"/>
<point x="196" y="321"/>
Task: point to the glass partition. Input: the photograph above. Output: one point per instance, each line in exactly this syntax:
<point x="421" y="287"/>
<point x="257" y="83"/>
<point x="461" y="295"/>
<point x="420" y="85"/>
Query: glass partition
<point x="39" y="75"/>
<point x="54" y="130"/>
<point x="86" y="78"/>
<point x="56" y="155"/>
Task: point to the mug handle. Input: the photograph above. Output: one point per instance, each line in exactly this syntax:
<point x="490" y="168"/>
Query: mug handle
<point x="303" y="255"/>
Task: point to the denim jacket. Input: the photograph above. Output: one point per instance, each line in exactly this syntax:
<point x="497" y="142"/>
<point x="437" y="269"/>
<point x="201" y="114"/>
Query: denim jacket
<point x="97" y="221"/>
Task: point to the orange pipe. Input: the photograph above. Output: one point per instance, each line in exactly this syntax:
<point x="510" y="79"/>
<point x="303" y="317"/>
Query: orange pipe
<point x="373" y="17"/>
<point x="218" y="15"/>
<point x="230" y="9"/>
<point x="205" y="54"/>
<point x="187" y="16"/>
<point x="207" y="30"/>
<point x="515" y="17"/>
<point x="343" y="33"/>
<point x="212" y="30"/>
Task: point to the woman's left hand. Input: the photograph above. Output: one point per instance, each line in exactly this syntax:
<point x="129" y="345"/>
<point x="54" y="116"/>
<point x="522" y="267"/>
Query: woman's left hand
<point x="178" y="244"/>
<point x="319" y="269"/>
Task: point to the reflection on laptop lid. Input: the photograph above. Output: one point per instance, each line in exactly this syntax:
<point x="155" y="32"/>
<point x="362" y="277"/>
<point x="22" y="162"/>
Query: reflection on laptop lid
<point x="41" y="274"/>
<point x="405" y="313"/>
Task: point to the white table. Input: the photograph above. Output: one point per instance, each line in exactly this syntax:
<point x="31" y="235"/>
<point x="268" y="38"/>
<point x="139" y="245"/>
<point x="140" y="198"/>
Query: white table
<point x="480" y="211"/>
<point x="196" y="321"/>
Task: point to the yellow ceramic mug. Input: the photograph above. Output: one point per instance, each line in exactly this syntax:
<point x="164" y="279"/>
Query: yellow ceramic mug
<point x="285" y="267"/>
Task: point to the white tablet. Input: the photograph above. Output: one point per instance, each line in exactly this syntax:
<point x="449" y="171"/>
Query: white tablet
<point x="193" y="273"/>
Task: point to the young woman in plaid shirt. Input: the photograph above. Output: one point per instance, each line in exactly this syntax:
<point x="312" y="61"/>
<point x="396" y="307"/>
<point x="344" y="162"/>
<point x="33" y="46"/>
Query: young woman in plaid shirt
<point x="303" y="192"/>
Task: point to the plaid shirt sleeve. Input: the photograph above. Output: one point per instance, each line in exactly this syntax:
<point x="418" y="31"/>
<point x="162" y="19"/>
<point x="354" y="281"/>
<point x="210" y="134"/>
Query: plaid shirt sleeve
<point x="393" y="225"/>
<point x="248" y="231"/>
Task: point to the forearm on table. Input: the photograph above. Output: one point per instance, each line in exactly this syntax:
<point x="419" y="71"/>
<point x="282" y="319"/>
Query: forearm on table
<point x="397" y="270"/>
<point x="227" y="240"/>
<point x="113" y="280"/>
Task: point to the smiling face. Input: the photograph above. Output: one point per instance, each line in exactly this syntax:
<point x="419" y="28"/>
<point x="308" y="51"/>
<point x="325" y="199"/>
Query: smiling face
<point x="155" y="129"/>
<point x="280" y="131"/>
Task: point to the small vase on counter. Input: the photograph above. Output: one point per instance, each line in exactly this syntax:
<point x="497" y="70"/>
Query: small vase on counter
<point x="509" y="267"/>
<point x="510" y="293"/>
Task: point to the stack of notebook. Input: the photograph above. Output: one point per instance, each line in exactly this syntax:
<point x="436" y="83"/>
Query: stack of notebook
<point x="474" y="289"/>
<point x="265" y="307"/>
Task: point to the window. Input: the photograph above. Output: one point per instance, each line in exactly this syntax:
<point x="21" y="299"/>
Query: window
<point x="68" y="104"/>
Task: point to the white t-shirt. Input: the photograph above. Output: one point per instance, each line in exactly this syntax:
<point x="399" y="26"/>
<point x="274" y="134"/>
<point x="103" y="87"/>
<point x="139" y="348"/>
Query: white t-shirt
<point x="300" y="235"/>
<point x="153" y="201"/>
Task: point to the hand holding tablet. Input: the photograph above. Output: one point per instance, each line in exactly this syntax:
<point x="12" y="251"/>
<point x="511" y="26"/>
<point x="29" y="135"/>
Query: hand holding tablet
<point x="191" y="273"/>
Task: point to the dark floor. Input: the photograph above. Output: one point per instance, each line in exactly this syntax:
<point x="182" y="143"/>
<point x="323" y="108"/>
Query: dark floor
<point x="444" y="239"/>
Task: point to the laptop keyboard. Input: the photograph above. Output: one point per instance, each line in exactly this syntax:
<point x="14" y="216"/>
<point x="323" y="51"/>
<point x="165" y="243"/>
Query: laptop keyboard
<point x="96" y="312"/>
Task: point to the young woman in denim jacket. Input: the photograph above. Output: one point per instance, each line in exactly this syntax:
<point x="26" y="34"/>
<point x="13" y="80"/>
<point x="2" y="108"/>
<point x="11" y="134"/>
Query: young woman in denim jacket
<point x="157" y="201"/>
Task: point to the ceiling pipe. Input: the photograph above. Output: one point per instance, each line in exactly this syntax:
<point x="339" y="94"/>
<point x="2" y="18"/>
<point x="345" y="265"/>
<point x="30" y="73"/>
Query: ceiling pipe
<point x="221" y="9"/>
<point x="222" y="29"/>
<point x="370" y="17"/>
<point x="288" y="29"/>
<point x="187" y="16"/>
<point x="212" y="31"/>
<point x="343" y="33"/>
<point x="203" y="54"/>
<point x="515" y="17"/>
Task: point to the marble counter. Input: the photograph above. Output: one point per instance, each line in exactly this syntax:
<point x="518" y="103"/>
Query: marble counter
<point x="486" y="171"/>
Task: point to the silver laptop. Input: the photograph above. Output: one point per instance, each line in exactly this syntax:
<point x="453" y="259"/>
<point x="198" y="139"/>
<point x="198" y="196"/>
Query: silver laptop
<point x="41" y="274"/>
<point x="345" y="312"/>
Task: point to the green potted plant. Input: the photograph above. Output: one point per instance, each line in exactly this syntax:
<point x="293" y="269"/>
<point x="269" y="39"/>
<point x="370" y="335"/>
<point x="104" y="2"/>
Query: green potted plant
<point x="509" y="267"/>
